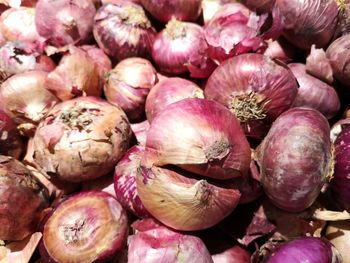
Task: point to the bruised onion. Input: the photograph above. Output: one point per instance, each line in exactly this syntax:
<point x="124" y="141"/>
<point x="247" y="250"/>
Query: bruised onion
<point x="169" y="91"/>
<point x="22" y="200"/>
<point x="235" y="254"/>
<point x="159" y="244"/>
<point x="338" y="234"/>
<point x="308" y="22"/>
<point x="255" y="88"/>
<point x="122" y="30"/>
<point x="181" y="202"/>
<point x="64" y="22"/>
<point x="128" y="85"/>
<point x="11" y="143"/>
<point x="200" y="136"/>
<point x="81" y="139"/>
<point x="140" y="131"/>
<point x="318" y="65"/>
<point x="314" y="93"/>
<point x="86" y="227"/>
<point x="295" y="158"/>
<point x="164" y="10"/>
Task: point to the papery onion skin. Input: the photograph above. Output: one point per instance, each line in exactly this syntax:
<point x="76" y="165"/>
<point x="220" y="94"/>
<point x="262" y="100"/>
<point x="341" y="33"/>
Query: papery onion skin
<point x="308" y="22"/>
<point x="164" y="10"/>
<point x="125" y="181"/>
<point x="306" y="249"/>
<point x="281" y="50"/>
<point x="79" y="227"/>
<point x="210" y="7"/>
<point x="81" y="139"/>
<point x="128" y="85"/>
<point x="314" y="93"/>
<point x="140" y="131"/>
<point x="338" y="233"/>
<point x="23" y="199"/>
<point x="295" y="159"/>
<point x="235" y="254"/>
<point x="318" y="65"/>
<point x="169" y="91"/>
<point x="183" y="203"/>
<point x="200" y="136"/>
<point x="122" y="30"/>
<point x="64" y="22"/>
<point x="255" y="88"/>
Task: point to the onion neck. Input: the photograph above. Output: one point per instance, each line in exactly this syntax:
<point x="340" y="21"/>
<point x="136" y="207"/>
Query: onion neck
<point x="135" y="16"/>
<point x="202" y="193"/>
<point x="341" y="5"/>
<point x="175" y="29"/>
<point x="77" y="117"/>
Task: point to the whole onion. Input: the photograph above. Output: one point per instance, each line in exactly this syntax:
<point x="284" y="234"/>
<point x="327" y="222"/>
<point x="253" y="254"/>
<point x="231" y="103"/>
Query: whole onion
<point x="64" y="22"/>
<point x="81" y="139"/>
<point x="164" y="10"/>
<point x="11" y="143"/>
<point x="140" y="131"/>
<point x="88" y="226"/>
<point x="22" y="200"/>
<point x="314" y="93"/>
<point x="281" y="50"/>
<point x="200" y="136"/>
<point x="25" y="98"/>
<point x="308" y="22"/>
<point x="181" y="47"/>
<point x="306" y="249"/>
<point x="338" y="234"/>
<point x="295" y="158"/>
<point x="318" y="65"/>
<point x="125" y="181"/>
<point x="122" y="30"/>
<point x="128" y="85"/>
<point x="235" y="254"/>
<point x="159" y="244"/>
<point x="169" y="91"/>
<point x="255" y="88"/>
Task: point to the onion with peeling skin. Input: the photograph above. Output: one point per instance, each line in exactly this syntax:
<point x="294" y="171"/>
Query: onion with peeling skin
<point x="168" y="91"/>
<point x="255" y="88"/>
<point x="85" y="227"/>
<point x="64" y="22"/>
<point x="210" y="7"/>
<point x="125" y="182"/>
<point x="295" y="159"/>
<point x="318" y="65"/>
<point x="200" y="136"/>
<point x="281" y="50"/>
<point x="128" y="85"/>
<point x="22" y="200"/>
<point x="314" y="93"/>
<point x="81" y="139"/>
<point x="184" y="203"/>
<point x="122" y="30"/>
<point x="140" y="131"/>
<point x="235" y="254"/>
<point x="338" y="233"/>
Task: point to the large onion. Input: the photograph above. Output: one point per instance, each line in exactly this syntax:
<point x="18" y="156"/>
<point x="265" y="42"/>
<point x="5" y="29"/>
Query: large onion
<point x="81" y="139"/>
<point x="255" y="88"/>
<point x="11" y="143"/>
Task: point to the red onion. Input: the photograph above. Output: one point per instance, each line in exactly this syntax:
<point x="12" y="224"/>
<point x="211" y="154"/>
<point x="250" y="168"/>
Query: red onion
<point x="11" y="143"/>
<point x="122" y="30"/>
<point x="26" y="100"/>
<point x="128" y="85"/>
<point x="86" y="227"/>
<point x="125" y="181"/>
<point x="165" y="10"/>
<point x="200" y="136"/>
<point x="306" y="249"/>
<point x="260" y="5"/>
<point x="180" y="48"/>
<point x="295" y="158"/>
<point x="169" y="91"/>
<point x="64" y="22"/>
<point x="255" y="88"/>
<point x="308" y="22"/>
<point x="338" y="234"/>
<point x="314" y="93"/>
<point x="140" y="131"/>
<point x="210" y="7"/>
<point x="235" y="254"/>
<point x="81" y="139"/>
<point x="281" y="50"/>
<point x="318" y="65"/>
<point x="158" y="244"/>
<point x="22" y="200"/>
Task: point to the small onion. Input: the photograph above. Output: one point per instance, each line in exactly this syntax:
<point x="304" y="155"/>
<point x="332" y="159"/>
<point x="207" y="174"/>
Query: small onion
<point x="158" y="244"/>
<point x="85" y="227"/>
<point x="165" y="10"/>
<point x="318" y="65"/>
<point x="184" y="203"/>
<point x="306" y="249"/>
<point x="140" y="131"/>
<point x="22" y="200"/>
<point x="122" y="30"/>
<point x="314" y="93"/>
<point x="64" y="22"/>
<point x="338" y="233"/>
<point x="81" y="139"/>
<point x="200" y="136"/>
<point x="308" y="22"/>
<point x="235" y="254"/>
<point x="255" y="88"/>
<point x="169" y="91"/>
<point x="281" y="50"/>
<point x="295" y="158"/>
<point x="128" y="85"/>
<point x="181" y="47"/>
